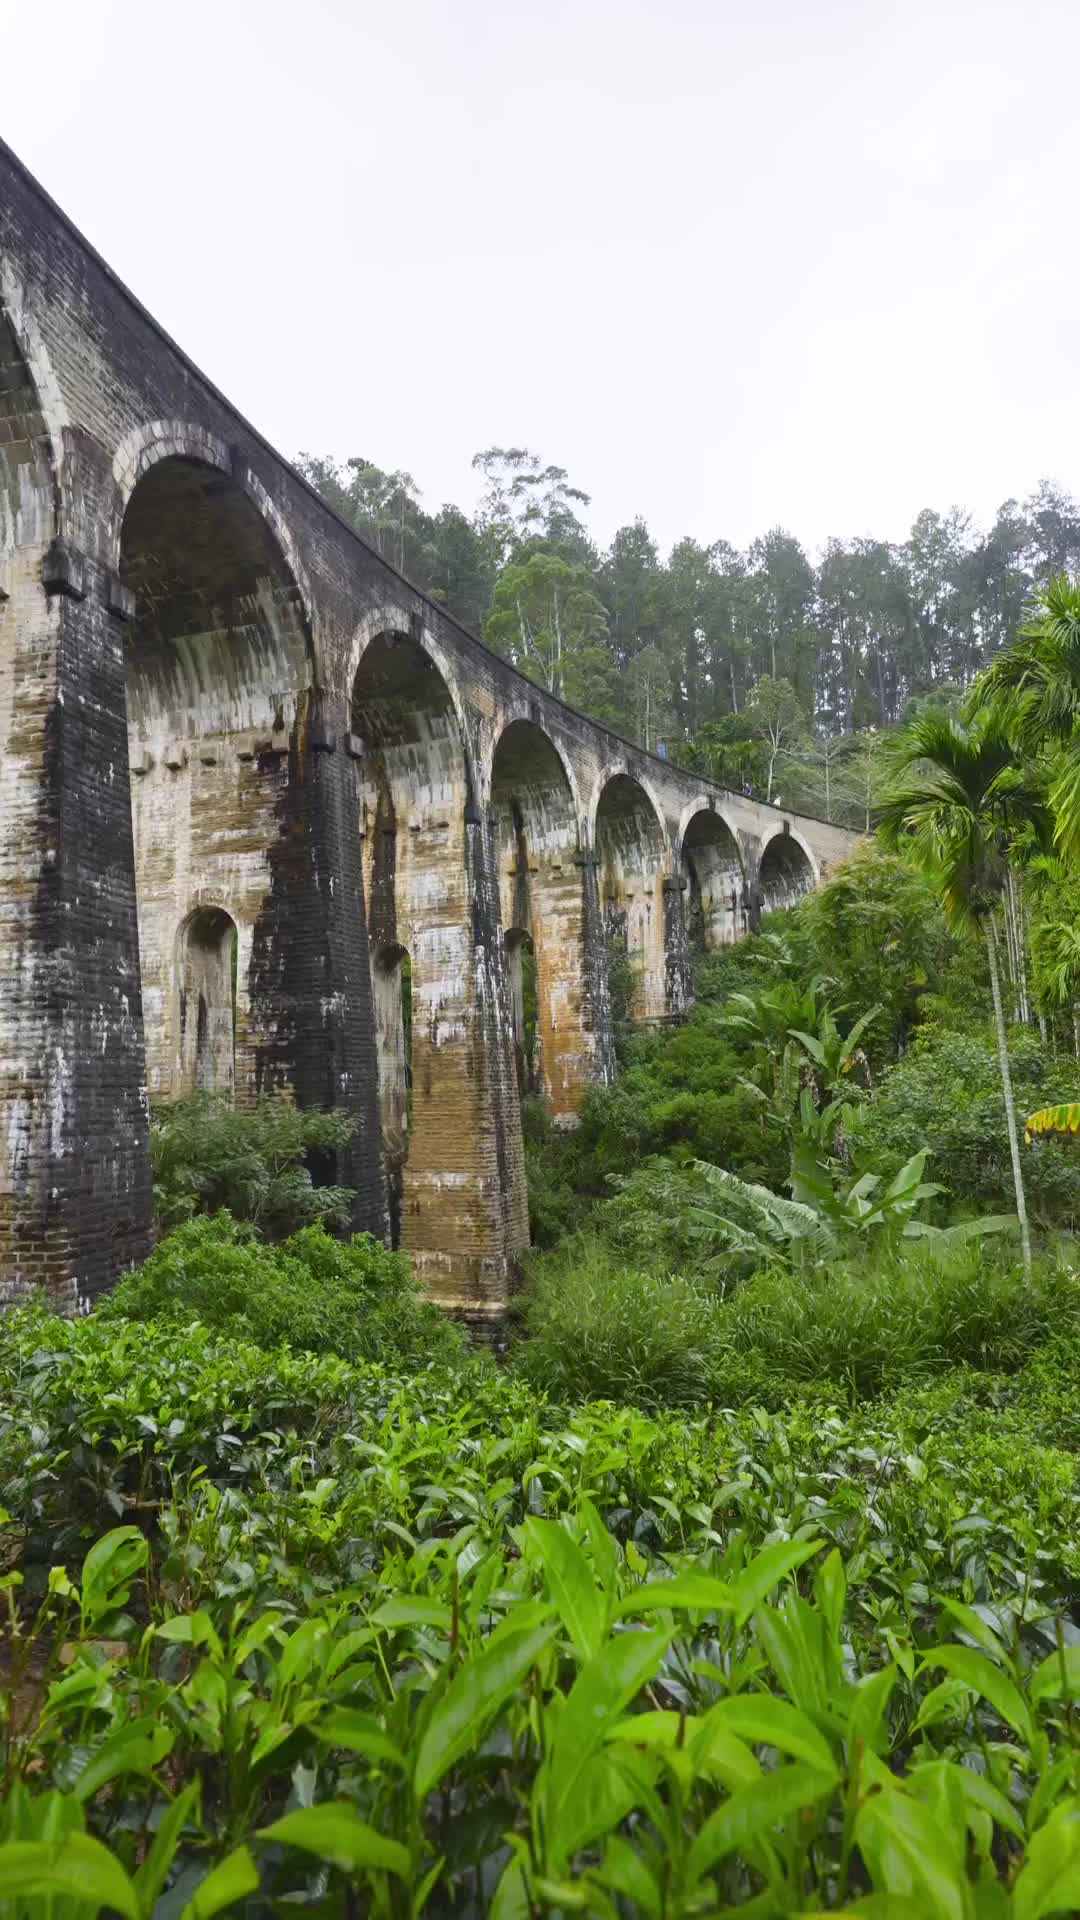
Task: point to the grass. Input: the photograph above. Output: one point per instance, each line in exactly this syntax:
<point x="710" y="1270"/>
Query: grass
<point x="594" y="1326"/>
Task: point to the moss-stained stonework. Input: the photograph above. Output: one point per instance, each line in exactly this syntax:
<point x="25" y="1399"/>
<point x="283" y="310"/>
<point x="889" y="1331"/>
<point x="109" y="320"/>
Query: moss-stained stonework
<point x="269" y="820"/>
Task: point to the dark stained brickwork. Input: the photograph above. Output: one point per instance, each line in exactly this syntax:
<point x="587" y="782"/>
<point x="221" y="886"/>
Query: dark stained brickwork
<point x="224" y="718"/>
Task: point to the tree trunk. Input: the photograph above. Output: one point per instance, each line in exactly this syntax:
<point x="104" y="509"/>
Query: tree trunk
<point x="1010" y="1104"/>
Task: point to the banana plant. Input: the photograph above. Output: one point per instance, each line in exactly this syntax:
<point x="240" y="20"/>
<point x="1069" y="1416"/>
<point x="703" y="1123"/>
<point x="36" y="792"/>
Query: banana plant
<point x="1063" y="1121"/>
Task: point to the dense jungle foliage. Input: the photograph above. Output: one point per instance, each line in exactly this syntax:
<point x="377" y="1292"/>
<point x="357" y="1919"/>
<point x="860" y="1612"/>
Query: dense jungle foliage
<point x="771" y="673"/>
<point x="748" y="1579"/>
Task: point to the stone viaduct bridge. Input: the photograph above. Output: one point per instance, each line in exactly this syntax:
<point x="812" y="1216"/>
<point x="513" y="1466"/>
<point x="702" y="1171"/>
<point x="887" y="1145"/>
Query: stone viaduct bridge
<point x="251" y="781"/>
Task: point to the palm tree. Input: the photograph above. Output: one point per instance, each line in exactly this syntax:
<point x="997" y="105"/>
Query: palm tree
<point x="1033" y="689"/>
<point x="957" y="801"/>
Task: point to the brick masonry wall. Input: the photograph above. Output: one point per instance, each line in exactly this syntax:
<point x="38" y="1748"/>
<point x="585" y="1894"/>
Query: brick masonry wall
<point x="154" y="549"/>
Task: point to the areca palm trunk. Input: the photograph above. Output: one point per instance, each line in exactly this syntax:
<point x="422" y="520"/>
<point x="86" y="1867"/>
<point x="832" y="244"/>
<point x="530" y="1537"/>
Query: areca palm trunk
<point x="1010" y="1104"/>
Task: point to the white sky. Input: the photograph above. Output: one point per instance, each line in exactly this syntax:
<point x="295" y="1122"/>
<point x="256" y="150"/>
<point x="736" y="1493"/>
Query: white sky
<point x="733" y="263"/>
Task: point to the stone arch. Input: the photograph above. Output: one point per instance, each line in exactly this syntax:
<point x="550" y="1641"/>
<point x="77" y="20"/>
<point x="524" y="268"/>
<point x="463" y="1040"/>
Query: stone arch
<point x="391" y="621"/>
<point x="429" y="893"/>
<point x="31" y="450"/>
<point x="611" y="771"/>
<point x="786" y="870"/>
<point x="207" y="953"/>
<point x="710" y="863"/>
<point x="633" y="860"/>
<point x="520" y="726"/>
<point x="535" y="814"/>
<point x="218" y="668"/>
<point x="220" y="639"/>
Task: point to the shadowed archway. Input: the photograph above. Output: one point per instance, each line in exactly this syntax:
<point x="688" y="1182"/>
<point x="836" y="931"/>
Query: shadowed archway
<point x="542" y="897"/>
<point x="206" y="971"/>
<point x="218" y="664"/>
<point x="631" y="852"/>
<point x="714" y="898"/>
<point x="785" y="873"/>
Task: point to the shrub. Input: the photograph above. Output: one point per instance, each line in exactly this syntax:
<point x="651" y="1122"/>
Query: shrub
<point x="861" y="1327"/>
<point x="553" y="1172"/>
<point x="876" y="937"/>
<point x="251" y="1161"/>
<point x="317" y="1294"/>
<point x="946" y="1096"/>
<point x="598" y="1329"/>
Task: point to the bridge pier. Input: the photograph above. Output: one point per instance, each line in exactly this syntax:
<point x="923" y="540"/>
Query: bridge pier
<point x="75" y="1187"/>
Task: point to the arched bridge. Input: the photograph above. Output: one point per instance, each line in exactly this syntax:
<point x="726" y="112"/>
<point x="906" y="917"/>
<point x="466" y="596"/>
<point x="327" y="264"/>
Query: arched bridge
<point x="271" y="820"/>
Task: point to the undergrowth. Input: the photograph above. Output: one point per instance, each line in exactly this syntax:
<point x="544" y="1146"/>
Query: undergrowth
<point x="319" y="1294"/>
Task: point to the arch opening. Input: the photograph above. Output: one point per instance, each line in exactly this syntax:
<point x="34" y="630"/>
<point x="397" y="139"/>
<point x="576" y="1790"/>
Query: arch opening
<point x="521" y="969"/>
<point x="219" y="641"/>
<point x="217" y="656"/>
<point x="403" y="715"/>
<point x="785" y="873"/>
<point x="631" y="855"/>
<point x="391" y="982"/>
<point x="540" y="894"/>
<point x="206" y="968"/>
<point x="27" y="471"/>
<point x="715" y="909"/>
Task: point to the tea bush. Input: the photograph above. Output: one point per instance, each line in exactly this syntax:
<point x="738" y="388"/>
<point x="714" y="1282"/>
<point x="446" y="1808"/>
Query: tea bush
<point x="294" y="1632"/>
<point x="315" y="1293"/>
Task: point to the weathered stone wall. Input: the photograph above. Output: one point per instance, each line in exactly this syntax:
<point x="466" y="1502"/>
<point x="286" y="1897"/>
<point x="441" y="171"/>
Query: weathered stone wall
<point x="229" y="727"/>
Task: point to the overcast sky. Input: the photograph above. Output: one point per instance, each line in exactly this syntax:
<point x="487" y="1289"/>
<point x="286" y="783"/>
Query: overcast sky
<point x="734" y="264"/>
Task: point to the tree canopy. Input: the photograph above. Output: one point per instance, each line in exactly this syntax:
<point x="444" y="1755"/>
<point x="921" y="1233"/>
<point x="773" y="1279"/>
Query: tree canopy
<point x="705" y="648"/>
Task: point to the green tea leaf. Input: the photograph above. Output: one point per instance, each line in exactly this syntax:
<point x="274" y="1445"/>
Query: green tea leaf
<point x="232" y="1879"/>
<point x="1058" y="1676"/>
<point x="334" y="1831"/>
<point x="766" y="1570"/>
<point x="602" y="1692"/>
<point x="359" y="1733"/>
<point x="983" y="1677"/>
<point x="152" y="1875"/>
<point x="190" y="1629"/>
<point x="909" y="1854"/>
<point x="134" y="1748"/>
<point x="763" y="1718"/>
<point x="77" y="1866"/>
<point x="685" y="1592"/>
<point x="753" y="1812"/>
<point x="1049" y="1881"/>
<point x="571" y="1584"/>
<point x="866" y="1720"/>
<point x="108" y="1570"/>
<point x="413" y="1610"/>
<point x="830" y="1591"/>
<point x="476" y="1692"/>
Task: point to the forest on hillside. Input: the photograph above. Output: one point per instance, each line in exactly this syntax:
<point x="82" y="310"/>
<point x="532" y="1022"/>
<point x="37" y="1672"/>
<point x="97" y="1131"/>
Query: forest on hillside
<point x="767" y="670"/>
